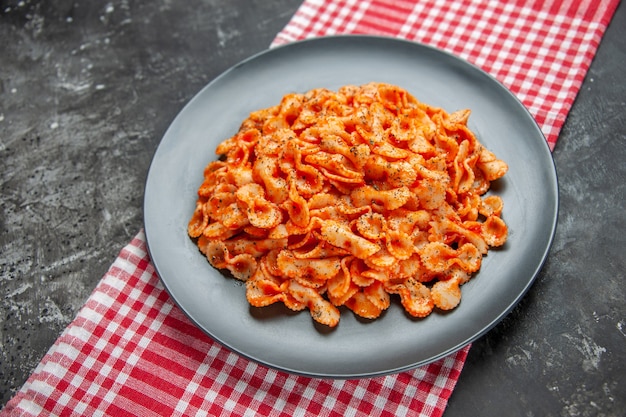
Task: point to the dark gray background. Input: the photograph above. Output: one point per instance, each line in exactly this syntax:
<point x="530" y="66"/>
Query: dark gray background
<point x="88" y="90"/>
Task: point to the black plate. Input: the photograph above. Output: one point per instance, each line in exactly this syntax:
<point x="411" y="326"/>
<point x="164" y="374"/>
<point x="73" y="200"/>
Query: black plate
<point x="394" y="342"/>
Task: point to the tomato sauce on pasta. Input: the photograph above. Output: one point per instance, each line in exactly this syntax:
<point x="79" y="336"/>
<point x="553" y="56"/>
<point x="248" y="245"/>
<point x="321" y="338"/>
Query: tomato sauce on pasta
<point x="348" y="198"/>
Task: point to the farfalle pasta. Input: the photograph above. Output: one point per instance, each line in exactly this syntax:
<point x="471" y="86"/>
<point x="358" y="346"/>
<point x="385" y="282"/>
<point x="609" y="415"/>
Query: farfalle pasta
<point x="349" y="198"/>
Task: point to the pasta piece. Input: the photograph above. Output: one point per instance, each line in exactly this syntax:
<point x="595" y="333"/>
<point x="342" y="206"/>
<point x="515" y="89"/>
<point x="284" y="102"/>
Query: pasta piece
<point x="337" y="165"/>
<point x="339" y="235"/>
<point x="297" y="208"/>
<point x="491" y="206"/>
<point x="448" y="232"/>
<point x="322" y="250"/>
<point x="341" y="287"/>
<point x="266" y="169"/>
<point x="494" y="231"/>
<point x="321" y="310"/>
<point x="381" y="260"/>
<point x="399" y="244"/>
<point x="372" y="226"/>
<point x="392" y="172"/>
<point x="356" y="154"/>
<point x="323" y="200"/>
<point x="242" y="266"/>
<point x="439" y="257"/>
<point x="431" y="193"/>
<point x="377" y="295"/>
<point x="315" y="271"/>
<point x="390" y="199"/>
<point x="463" y="174"/>
<point x="446" y="294"/>
<point x="256" y="232"/>
<point x="259" y="211"/>
<point x="362" y="306"/>
<point x="491" y="167"/>
<point x="415" y="297"/>
<point x="361" y="275"/>
<point x="199" y="221"/>
<point x="262" y="291"/>
<point x="370" y="276"/>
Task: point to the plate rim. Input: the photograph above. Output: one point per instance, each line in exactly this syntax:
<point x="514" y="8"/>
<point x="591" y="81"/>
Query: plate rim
<point x="359" y="38"/>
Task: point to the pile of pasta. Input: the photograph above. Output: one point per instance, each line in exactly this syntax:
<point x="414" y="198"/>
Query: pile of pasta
<point x="349" y="198"/>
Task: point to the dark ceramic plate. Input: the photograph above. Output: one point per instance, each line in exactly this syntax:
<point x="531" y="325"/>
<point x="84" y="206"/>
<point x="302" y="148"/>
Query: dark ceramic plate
<point x="395" y="342"/>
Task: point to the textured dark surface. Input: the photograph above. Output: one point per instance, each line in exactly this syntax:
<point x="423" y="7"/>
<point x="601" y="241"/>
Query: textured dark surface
<point x="88" y="90"/>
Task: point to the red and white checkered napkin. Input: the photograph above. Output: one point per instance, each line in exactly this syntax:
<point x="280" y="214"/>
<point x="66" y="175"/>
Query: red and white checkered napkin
<point x="131" y="351"/>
